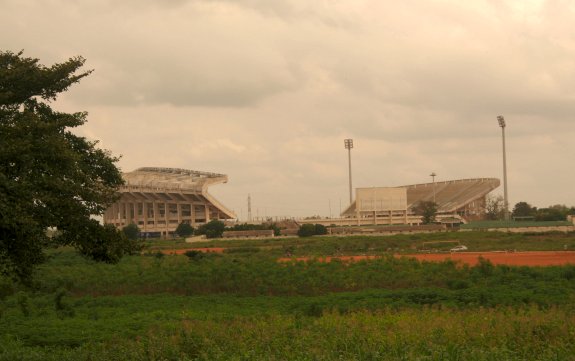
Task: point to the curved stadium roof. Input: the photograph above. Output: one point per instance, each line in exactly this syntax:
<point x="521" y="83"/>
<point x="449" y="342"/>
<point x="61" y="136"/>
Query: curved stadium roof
<point x="171" y="179"/>
<point x="174" y="184"/>
<point x="449" y="195"/>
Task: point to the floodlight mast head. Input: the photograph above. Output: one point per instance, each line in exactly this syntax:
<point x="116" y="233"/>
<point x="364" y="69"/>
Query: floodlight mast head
<point x="501" y="121"/>
<point x="348" y="143"/>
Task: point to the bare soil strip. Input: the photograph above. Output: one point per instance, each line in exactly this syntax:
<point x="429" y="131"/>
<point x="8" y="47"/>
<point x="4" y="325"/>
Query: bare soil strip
<point x="471" y="258"/>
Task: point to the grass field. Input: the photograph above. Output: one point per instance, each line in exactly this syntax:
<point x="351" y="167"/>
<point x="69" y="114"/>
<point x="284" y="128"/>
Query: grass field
<point x="244" y="305"/>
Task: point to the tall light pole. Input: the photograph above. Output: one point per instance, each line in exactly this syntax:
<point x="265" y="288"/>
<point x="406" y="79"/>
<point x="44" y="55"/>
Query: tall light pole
<point x="348" y="145"/>
<point x="432" y="175"/>
<point x="501" y="121"/>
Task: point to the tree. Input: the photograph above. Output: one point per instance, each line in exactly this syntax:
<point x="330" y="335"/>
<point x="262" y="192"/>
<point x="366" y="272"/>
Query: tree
<point x="184" y="230"/>
<point x="306" y="230"/>
<point x="50" y="178"/>
<point x="212" y="229"/>
<point x="494" y="208"/>
<point x="131" y="231"/>
<point x="523" y="209"/>
<point x="427" y="210"/>
<point x="556" y="212"/>
<point x="320" y="229"/>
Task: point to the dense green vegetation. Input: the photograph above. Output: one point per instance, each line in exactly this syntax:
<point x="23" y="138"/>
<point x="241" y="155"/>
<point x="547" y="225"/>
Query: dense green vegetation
<point x="244" y="305"/>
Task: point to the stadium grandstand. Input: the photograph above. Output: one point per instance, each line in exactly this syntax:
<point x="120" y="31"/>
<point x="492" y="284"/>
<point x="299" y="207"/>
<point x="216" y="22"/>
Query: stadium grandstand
<point x="458" y="201"/>
<point x="157" y="200"/>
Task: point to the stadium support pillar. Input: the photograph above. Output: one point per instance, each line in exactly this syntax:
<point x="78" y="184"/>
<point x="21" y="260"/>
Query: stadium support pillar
<point x="126" y="213"/>
<point x="155" y="208"/>
<point x="207" y="210"/>
<point x="179" y="210"/>
<point x="166" y="217"/>
<point x="192" y="215"/>
<point x="145" y="215"/>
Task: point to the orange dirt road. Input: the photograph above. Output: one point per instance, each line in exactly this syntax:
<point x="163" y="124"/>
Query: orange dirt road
<point x="472" y="258"/>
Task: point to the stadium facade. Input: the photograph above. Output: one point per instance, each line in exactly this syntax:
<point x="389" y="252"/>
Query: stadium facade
<point x="157" y="200"/>
<point x="459" y="200"/>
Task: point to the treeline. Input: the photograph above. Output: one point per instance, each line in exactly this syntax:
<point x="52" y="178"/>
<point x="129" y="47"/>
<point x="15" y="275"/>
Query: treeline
<point x="556" y="212"/>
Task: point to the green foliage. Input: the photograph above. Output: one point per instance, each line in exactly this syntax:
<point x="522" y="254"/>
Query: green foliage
<point x="63" y="309"/>
<point x="49" y="176"/>
<point x="212" y="229"/>
<point x="557" y="212"/>
<point x="523" y="209"/>
<point x="427" y="210"/>
<point x="184" y="230"/>
<point x="306" y="230"/>
<point x="494" y="208"/>
<point x="23" y="303"/>
<point x="194" y="255"/>
<point x="252" y="227"/>
<point x="243" y="304"/>
<point x="320" y="229"/>
<point x="131" y="231"/>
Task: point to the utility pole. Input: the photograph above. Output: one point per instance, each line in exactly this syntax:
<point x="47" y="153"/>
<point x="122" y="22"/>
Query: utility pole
<point x="348" y="145"/>
<point x="501" y="121"/>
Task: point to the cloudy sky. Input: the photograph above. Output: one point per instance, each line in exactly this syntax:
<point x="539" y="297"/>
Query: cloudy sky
<point x="266" y="91"/>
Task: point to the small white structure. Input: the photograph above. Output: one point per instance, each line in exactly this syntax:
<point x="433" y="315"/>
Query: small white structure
<point x="381" y="202"/>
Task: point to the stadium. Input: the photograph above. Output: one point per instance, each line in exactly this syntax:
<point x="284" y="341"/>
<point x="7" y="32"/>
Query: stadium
<point x="458" y="201"/>
<point x="158" y="199"/>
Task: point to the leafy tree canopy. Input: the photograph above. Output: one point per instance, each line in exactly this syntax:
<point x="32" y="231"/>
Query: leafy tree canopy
<point x="523" y="209"/>
<point x="427" y="210"/>
<point x="131" y="231"/>
<point x="184" y="230"/>
<point x="306" y="230"/>
<point x="50" y="177"/>
<point x="212" y="229"/>
<point x="556" y="212"/>
<point x="494" y="208"/>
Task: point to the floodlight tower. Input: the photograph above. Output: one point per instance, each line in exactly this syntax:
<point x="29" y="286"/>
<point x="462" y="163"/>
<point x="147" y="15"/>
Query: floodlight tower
<point x="501" y="121"/>
<point x="348" y="145"/>
<point x="432" y="175"/>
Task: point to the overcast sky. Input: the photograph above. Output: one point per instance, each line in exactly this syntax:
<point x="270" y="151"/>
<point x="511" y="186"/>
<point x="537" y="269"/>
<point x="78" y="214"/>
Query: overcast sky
<point x="266" y="91"/>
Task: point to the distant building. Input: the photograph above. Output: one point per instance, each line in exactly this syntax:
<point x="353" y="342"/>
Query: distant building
<point x="462" y="200"/>
<point x="158" y="199"/>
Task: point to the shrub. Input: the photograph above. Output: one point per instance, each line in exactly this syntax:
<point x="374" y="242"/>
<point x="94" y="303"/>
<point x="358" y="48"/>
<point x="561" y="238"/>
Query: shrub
<point x="131" y="231"/>
<point x="194" y="255"/>
<point x="212" y="229"/>
<point x="320" y="229"/>
<point x="306" y="230"/>
<point x="184" y="230"/>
